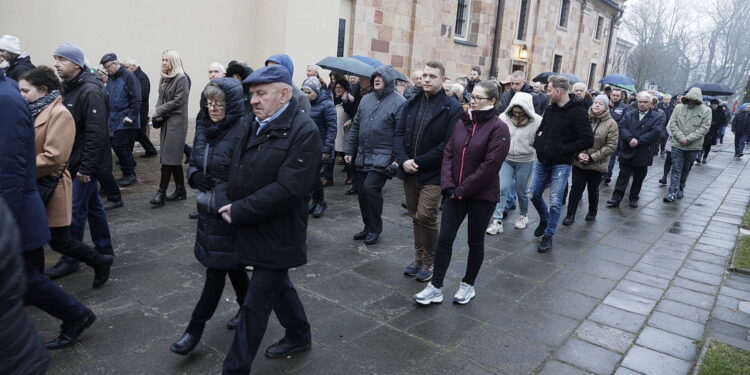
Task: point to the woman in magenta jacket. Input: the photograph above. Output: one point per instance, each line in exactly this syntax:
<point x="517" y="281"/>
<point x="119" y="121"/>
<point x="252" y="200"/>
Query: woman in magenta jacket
<point x="471" y="162"/>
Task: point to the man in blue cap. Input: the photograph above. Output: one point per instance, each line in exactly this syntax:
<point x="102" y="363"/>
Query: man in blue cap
<point x="274" y="166"/>
<point x="284" y="60"/>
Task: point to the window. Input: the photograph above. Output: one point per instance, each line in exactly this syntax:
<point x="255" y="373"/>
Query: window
<point x="462" y="19"/>
<point x="523" y="19"/>
<point x="592" y="75"/>
<point x="564" y="11"/>
<point x="599" y="27"/>
<point x="557" y="64"/>
<point x="341" y="38"/>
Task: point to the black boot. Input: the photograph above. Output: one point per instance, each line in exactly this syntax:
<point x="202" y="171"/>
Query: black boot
<point x="179" y="181"/>
<point x="158" y="199"/>
<point x="166" y="174"/>
<point x="569" y="219"/>
<point x="101" y="270"/>
<point x="185" y="344"/>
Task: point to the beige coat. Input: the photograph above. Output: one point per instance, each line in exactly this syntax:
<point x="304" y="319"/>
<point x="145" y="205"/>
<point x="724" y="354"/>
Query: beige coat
<point x="606" y="136"/>
<point x="55" y="132"/>
<point x="173" y="102"/>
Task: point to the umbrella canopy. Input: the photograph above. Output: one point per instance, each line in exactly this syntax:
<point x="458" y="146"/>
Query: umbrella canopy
<point x="715" y="89"/>
<point x="617" y="79"/>
<point x="346" y="65"/>
<point x="629" y="88"/>
<point x="376" y="63"/>
<point x="543" y="77"/>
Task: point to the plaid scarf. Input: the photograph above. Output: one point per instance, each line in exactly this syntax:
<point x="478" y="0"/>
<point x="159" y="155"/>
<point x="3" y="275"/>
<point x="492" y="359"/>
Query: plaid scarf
<point x="39" y="105"/>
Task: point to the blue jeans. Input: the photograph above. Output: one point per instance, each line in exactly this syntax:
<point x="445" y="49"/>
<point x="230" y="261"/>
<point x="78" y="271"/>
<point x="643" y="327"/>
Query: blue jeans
<point x="87" y="205"/>
<point x="739" y="143"/>
<point x="556" y="176"/>
<point x="514" y="178"/>
<point x="122" y="144"/>
<point x="510" y="202"/>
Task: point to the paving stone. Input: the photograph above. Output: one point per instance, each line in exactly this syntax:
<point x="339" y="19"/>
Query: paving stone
<point x="696" y="286"/>
<point x="446" y="364"/>
<point x="736" y="293"/>
<point x="744" y="307"/>
<point x="666" y="342"/>
<point x="630" y="302"/>
<point x="526" y="267"/>
<point x="514" y="355"/>
<point x="640" y="290"/>
<point x="732" y="316"/>
<point x="674" y="254"/>
<point x="614" y="317"/>
<point x="708" y="257"/>
<point x="652" y="270"/>
<point x="590" y="357"/>
<point x="623" y="257"/>
<point x="727" y="301"/>
<point x="690" y="297"/>
<point x="539" y="325"/>
<point x="737" y="281"/>
<point x="601" y="268"/>
<point x="650" y="362"/>
<point x="699" y="276"/>
<point x="661" y="261"/>
<point x="625" y="371"/>
<point x="572" y="279"/>
<point x="602" y="335"/>
<point x="559" y="368"/>
<point x="509" y="285"/>
<point x="387" y="350"/>
<point x="680" y="326"/>
<point x="683" y="311"/>
<point x="726" y="328"/>
<point x="570" y="304"/>
<point x="645" y="279"/>
<point x="706" y="267"/>
<point x="447" y="329"/>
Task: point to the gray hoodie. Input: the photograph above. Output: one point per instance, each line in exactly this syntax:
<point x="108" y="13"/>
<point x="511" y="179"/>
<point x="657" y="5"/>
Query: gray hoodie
<point x="521" y="138"/>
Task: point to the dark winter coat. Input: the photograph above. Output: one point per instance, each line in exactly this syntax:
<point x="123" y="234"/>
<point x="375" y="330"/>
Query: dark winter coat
<point x="718" y="119"/>
<point x="564" y="133"/>
<point x="145" y="93"/>
<point x="373" y="127"/>
<point x="474" y="155"/>
<point x="212" y="155"/>
<point x="323" y="113"/>
<point x="427" y="146"/>
<point x="618" y="111"/>
<point x="123" y="100"/>
<point x="741" y="123"/>
<point x="412" y="91"/>
<point x="85" y="98"/>
<point x="646" y="131"/>
<point x="543" y="102"/>
<point x="23" y="349"/>
<point x="270" y="181"/>
<point x="506" y="97"/>
<point x="18" y="168"/>
<point x="19" y="67"/>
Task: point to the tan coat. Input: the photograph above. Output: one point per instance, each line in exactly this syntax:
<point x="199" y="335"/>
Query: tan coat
<point x="55" y="132"/>
<point x="606" y="135"/>
<point x="173" y="102"/>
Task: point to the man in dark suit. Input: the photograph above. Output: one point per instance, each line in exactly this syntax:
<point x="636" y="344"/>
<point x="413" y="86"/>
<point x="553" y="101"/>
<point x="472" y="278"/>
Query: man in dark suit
<point x="142" y="136"/>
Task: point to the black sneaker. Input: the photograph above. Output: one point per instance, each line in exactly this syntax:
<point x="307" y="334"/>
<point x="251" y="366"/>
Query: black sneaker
<point x="546" y="245"/>
<point x="539" y="231"/>
<point x="570" y="219"/>
<point x="662" y="181"/>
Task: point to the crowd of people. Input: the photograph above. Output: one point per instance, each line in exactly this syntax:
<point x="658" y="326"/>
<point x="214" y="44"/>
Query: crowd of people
<point x="265" y="149"/>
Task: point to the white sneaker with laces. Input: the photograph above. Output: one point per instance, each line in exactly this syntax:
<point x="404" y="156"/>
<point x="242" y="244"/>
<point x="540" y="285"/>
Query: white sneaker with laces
<point x="428" y="295"/>
<point x="495" y="228"/>
<point x="522" y="221"/>
<point x="464" y="294"/>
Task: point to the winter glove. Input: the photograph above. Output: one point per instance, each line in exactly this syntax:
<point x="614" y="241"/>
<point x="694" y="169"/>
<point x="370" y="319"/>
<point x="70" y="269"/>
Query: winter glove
<point x="202" y="182"/>
<point x="449" y="193"/>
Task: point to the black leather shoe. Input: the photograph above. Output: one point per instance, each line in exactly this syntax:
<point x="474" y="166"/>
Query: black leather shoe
<point x="158" y="199"/>
<point x="62" y="269"/>
<point x="546" y="245"/>
<point x="319" y="210"/>
<point x="662" y="181"/>
<point x="633" y="203"/>
<point x="613" y="203"/>
<point x="179" y="195"/>
<point x="570" y="219"/>
<point x="194" y="215"/>
<point x="539" y="231"/>
<point x="590" y="217"/>
<point x="70" y="331"/>
<point x="185" y="344"/>
<point x="127" y="181"/>
<point x="351" y="191"/>
<point x="372" y="238"/>
<point x="282" y="349"/>
<point x="110" y="205"/>
<point x="101" y="272"/>
<point x="235" y="321"/>
<point x="361" y="235"/>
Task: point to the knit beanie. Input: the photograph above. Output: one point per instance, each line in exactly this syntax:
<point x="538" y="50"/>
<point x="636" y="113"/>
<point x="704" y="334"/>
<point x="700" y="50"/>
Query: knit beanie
<point x="11" y="44"/>
<point x="71" y="52"/>
<point x="313" y="83"/>
<point x="603" y="98"/>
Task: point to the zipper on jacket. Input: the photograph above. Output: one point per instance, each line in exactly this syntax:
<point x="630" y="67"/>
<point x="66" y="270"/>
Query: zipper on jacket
<point x="463" y="152"/>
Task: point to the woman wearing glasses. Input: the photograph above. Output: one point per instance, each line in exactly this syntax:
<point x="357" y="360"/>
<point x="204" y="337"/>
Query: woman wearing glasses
<point x="215" y="131"/>
<point x="522" y="122"/>
<point x="471" y="160"/>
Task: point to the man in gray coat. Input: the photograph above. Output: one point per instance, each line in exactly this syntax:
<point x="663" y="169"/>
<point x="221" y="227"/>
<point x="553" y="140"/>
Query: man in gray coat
<point x="371" y="138"/>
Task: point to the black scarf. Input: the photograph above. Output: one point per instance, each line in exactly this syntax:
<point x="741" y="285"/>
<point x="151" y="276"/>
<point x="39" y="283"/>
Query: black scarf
<point x="39" y="105"/>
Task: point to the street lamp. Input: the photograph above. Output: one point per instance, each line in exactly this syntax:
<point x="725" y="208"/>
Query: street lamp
<point x="523" y="53"/>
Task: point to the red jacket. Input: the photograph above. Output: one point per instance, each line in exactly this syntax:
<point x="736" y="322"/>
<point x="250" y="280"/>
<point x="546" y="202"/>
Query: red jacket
<point x="474" y="155"/>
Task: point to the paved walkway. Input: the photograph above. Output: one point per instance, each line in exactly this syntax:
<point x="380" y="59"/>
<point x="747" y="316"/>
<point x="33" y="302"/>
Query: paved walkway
<point x="630" y="293"/>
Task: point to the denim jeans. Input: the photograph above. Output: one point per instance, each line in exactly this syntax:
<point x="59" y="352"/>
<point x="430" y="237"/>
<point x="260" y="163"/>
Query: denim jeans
<point x="556" y="177"/>
<point x="681" y="162"/>
<point x="122" y="144"/>
<point x="510" y="202"/>
<point x="514" y="177"/>
<point x="87" y="205"/>
<point x="739" y="143"/>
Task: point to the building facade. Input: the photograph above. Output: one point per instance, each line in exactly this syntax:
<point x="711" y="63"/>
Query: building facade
<point x="623" y="49"/>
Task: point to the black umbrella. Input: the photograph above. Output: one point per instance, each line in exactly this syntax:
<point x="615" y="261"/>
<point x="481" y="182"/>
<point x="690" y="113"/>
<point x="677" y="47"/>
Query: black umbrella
<point x="376" y="63"/>
<point x="346" y="65"/>
<point x="715" y="89"/>
<point x="543" y="77"/>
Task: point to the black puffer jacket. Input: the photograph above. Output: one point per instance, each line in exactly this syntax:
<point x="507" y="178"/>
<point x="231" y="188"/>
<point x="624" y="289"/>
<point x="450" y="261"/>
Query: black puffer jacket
<point x="212" y="153"/>
<point x="507" y="96"/>
<point x="564" y="133"/>
<point x="19" y="67"/>
<point x="270" y="181"/>
<point x="23" y="349"/>
<point x="85" y="98"/>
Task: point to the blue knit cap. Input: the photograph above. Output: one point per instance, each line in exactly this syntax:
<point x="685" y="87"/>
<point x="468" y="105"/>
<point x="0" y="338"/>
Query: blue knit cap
<point x="71" y="52"/>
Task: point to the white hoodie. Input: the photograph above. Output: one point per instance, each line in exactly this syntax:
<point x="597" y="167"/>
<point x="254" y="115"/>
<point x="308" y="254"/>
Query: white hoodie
<point x="522" y="138"/>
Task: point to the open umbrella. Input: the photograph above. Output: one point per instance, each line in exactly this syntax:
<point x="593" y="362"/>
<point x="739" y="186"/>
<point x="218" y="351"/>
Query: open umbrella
<point x="376" y="63"/>
<point x="346" y="65"/>
<point x="629" y="88"/>
<point x="715" y="89"/>
<point x="617" y="79"/>
<point x="543" y="77"/>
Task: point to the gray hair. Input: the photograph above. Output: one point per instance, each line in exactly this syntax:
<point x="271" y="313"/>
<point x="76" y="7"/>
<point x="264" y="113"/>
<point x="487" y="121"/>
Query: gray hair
<point x="131" y="61"/>
<point x="518" y="75"/>
<point x="316" y="67"/>
<point x="578" y="84"/>
<point x="645" y="94"/>
<point x="218" y="65"/>
<point x="559" y="82"/>
<point x="457" y="87"/>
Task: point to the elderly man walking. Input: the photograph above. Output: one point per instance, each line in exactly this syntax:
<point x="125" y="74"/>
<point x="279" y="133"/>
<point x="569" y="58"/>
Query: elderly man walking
<point x="142" y="137"/>
<point x="518" y="84"/>
<point x="274" y="164"/>
<point x="741" y="129"/>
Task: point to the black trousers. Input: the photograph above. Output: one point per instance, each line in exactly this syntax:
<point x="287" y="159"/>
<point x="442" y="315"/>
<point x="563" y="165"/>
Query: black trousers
<point x="318" y="194"/>
<point x="142" y="138"/>
<point x="269" y="290"/>
<point x="454" y="212"/>
<point x="212" y="290"/>
<point x="44" y="294"/>
<point x="109" y="186"/>
<point x="668" y="165"/>
<point x="584" y="179"/>
<point x="369" y="187"/>
<point x="62" y="241"/>
<point x="626" y="171"/>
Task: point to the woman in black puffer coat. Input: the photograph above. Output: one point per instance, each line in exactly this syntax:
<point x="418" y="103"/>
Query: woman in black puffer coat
<point x="209" y="171"/>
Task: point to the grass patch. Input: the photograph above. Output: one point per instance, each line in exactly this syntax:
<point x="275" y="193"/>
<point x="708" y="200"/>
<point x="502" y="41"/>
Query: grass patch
<point x="742" y="253"/>
<point x="722" y="359"/>
<point x="746" y="222"/>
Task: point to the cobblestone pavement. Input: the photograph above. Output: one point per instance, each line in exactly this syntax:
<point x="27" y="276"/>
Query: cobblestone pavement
<point x="630" y="293"/>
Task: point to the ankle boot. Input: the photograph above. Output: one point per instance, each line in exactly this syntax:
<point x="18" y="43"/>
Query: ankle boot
<point x="158" y="199"/>
<point x="185" y="344"/>
<point x="179" y="182"/>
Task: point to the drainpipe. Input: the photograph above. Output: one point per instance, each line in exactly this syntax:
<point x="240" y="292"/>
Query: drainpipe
<point x="609" y="39"/>
<point x="496" y="37"/>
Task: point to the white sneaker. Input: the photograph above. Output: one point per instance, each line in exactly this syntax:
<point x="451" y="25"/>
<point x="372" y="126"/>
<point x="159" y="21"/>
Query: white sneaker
<point x="522" y="221"/>
<point x="429" y="295"/>
<point x="464" y="294"/>
<point x="495" y="228"/>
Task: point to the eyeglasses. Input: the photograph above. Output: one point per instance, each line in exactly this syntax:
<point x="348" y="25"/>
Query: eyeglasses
<point x="477" y="98"/>
<point x="210" y="105"/>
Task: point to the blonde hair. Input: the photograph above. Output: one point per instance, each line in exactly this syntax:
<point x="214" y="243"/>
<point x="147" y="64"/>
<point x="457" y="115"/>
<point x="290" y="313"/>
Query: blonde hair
<point x="174" y="59"/>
